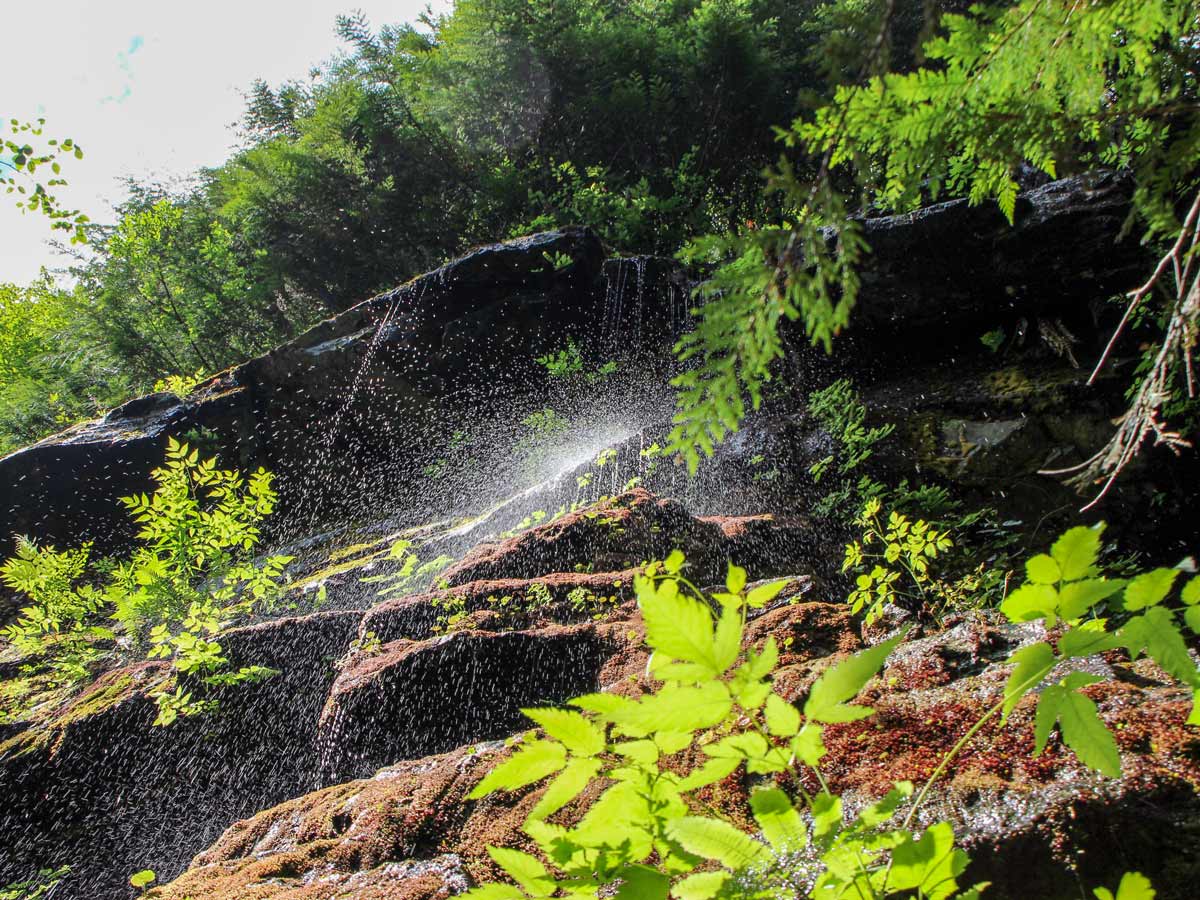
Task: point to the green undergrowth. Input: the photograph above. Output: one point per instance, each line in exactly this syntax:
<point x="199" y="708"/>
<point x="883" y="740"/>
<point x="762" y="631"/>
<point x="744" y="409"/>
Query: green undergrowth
<point x="192" y="574"/>
<point x="645" y="833"/>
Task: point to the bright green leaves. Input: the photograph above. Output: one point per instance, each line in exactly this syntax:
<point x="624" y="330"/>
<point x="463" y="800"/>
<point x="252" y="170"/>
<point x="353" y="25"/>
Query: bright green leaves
<point x="928" y="866"/>
<point x="527" y="871"/>
<point x="783" y="719"/>
<point x="893" y="561"/>
<point x="827" y="699"/>
<point x="1149" y="588"/>
<point x="531" y="762"/>
<point x="20" y="158"/>
<point x="678" y="626"/>
<point x="720" y="841"/>
<point x="1031" y="665"/>
<point x="1080" y="725"/>
<point x="1076" y="552"/>
<point x="1133" y="886"/>
<point x="1067" y="585"/>
<point x="780" y="822"/>
<point x="579" y="735"/>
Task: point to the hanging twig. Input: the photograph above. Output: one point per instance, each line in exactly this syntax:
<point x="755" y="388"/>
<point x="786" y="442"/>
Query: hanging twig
<point x="1142" y="419"/>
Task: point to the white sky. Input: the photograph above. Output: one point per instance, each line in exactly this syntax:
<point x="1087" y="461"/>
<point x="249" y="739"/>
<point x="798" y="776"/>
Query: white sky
<point x="149" y="88"/>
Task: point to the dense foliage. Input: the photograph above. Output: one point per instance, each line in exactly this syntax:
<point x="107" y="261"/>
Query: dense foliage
<point x="715" y="710"/>
<point x="649" y="121"/>
<point x="191" y="574"/>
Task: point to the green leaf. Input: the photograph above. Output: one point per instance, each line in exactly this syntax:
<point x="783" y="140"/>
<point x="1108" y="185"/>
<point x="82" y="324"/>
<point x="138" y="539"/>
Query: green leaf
<point x="700" y="886"/>
<point x="1156" y="633"/>
<point x="712" y="771"/>
<point x="735" y="579"/>
<point x="1030" y="665"/>
<point x="826" y="815"/>
<point x="1042" y="569"/>
<point x="675" y="708"/>
<point x="566" y="786"/>
<point x="1191" y="591"/>
<point x="1030" y="602"/>
<point x="1081" y="727"/>
<point x="495" y="891"/>
<point x="1078" y="597"/>
<point x="783" y="719"/>
<point x="1191" y="616"/>
<point x="928" y="866"/>
<point x="678" y="626"/>
<point x="763" y="594"/>
<point x="827" y="699"/>
<point x="1133" y="886"/>
<point x="1077" y="551"/>
<point x="714" y="839"/>
<point x="577" y="733"/>
<point x="1083" y="641"/>
<point x="532" y="762"/>
<point x="527" y="871"/>
<point x="780" y="822"/>
<point x="642" y="883"/>
<point x="142" y="879"/>
<point x="1149" y="588"/>
<point x="727" y="643"/>
<point x="808" y="746"/>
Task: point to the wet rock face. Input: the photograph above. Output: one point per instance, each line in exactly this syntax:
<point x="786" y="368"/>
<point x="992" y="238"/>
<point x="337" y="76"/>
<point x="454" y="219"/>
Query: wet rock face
<point x="416" y="699"/>
<point x="103" y="791"/>
<point x="1036" y="827"/>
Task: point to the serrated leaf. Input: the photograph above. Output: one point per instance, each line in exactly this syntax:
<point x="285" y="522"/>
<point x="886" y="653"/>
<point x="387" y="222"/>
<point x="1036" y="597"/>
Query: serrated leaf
<point x="712" y="771"/>
<point x="1086" y="641"/>
<point x="1078" y="597"/>
<point x="495" y="891"/>
<point x="573" y="730"/>
<point x="928" y="866"/>
<point x="735" y="579"/>
<point x="727" y="642"/>
<point x="1191" y="616"/>
<point x="532" y="762"/>
<point x="1076" y="551"/>
<point x="675" y="708"/>
<point x="678" y="626"/>
<point x="808" y="746"/>
<point x="1133" y="886"/>
<point x="1149" y="588"/>
<point x="1155" y="632"/>
<point x="763" y="594"/>
<point x="1030" y="665"/>
<point x="827" y="698"/>
<point x="1079" y="723"/>
<point x="642" y="883"/>
<point x="566" y="786"/>
<point x="783" y="719"/>
<point x="780" y="822"/>
<point x="1191" y="591"/>
<point x="826" y="814"/>
<point x="1030" y="602"/>
<point x="701" y="886"/>
<point x="1043" y="569"/>
<point x="714" y="839"/>
<point x="527" y="871"/>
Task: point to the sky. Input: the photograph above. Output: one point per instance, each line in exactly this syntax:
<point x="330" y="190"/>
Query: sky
<point x="149" y="89"/>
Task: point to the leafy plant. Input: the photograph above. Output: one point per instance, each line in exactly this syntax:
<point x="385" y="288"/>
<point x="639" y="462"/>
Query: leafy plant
<point x="36" y="888"/>
<point x="642" y="836"/>
<point x="412" y="574"/>
<point x="568" y="363"/>
<point x="180" y="385"/>
<point x="191" y="575"/>
<point x="1067" y="588"/>
<point x="894" y="561"/>
<point x="24" y="160"/>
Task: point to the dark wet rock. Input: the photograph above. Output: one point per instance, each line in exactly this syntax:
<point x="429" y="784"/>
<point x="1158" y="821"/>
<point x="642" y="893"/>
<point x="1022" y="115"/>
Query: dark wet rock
<point x="625" y="531"/>
<point x="414" y="616"/>
<point x="165" y="793"/>
<point x="413" y="699"/>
